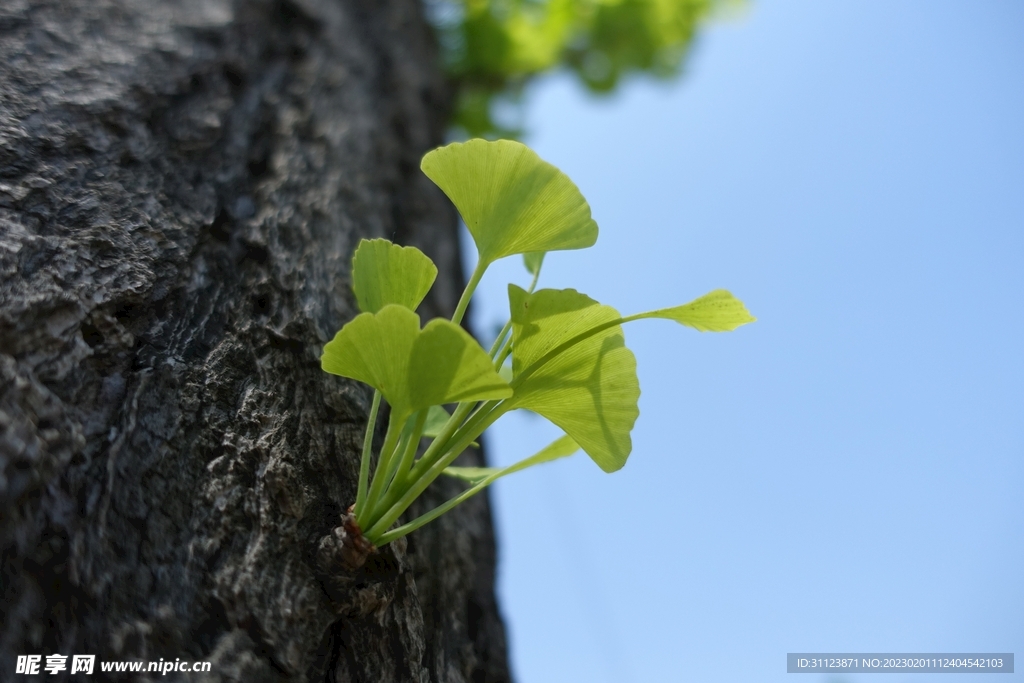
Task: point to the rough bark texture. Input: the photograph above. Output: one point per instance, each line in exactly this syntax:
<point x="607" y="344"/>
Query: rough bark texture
<point x="182" y="183"/>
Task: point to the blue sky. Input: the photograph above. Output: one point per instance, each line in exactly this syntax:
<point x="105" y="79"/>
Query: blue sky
<point x="847" y="473"/>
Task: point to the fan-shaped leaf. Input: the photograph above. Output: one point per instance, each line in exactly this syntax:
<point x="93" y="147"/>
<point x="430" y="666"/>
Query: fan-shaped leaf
<point x="448" y="366"/>
<point x="559" y="448"/>
<point x="437" y="417"/>
<point x="480" y="478"/>
<point x="384" y="273"/>
<point x="512" y="201"/>
<point x="375" y="348"/>
<point x="533" y="261"/>
<point x="590" y="390"/>
<point x="413" y="368"/>
<point x="717" y="311"/>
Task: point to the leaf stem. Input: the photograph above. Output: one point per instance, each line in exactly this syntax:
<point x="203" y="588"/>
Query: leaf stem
<point x="500" y="360"/>
<point x="440" y="450"/>
<point x="573" y="341"/>
<point x="467" y="293"/>
<point x="498" y="342"/>
<point x="397" y="533"/>
<point x="501" y="346"/>
<point x="481" y="420"/>
<point x="364" y="462"/>
<point x="553" y="451"/>
<point x="401" y="483"/>
<point x="383" y="463"/>
<point x="402" y="466"/>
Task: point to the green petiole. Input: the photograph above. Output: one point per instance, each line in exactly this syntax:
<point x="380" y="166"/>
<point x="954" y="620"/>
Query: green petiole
<point x="405" y="479"/>
<point x="480" y="478"/>
<point x="399" y="466"/>
<point x="483" y="419"/>
<point x="467" y="293"/>
<point x="387" y="452"/>
<point x="364" y="462"/>
<point x="500" y="340"/>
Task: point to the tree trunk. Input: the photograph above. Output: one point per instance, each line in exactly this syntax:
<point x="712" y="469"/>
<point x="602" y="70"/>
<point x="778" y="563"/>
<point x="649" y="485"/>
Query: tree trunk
<point x="182" y="183"/>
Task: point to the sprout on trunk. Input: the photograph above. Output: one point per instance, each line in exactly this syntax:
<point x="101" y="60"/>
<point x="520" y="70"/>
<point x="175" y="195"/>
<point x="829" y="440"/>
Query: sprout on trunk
<point x="570" y="362"/>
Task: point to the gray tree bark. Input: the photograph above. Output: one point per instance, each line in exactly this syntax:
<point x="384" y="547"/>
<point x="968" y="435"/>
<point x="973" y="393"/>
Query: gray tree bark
<point x="182" y="183"/>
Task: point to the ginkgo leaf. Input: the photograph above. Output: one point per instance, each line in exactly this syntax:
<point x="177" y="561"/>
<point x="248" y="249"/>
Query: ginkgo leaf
<point x="512" y="201"/>
<point x="559" y="448"/>
<point x="413" y="368"/>
<point x="472" y="475"/>
<point x="437" y="417"/>
<point x="717" y="311"/>
<point x="375" y="348"/>
<point x="590" y="389"/>
<point x="448" y="365"/>
<point x="384" y="273"/>
<point x="533" y="261"/>
<point x="480" y="478"/>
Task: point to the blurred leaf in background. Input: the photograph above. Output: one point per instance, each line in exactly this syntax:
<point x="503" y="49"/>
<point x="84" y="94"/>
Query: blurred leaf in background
<point x="492" y="48"/>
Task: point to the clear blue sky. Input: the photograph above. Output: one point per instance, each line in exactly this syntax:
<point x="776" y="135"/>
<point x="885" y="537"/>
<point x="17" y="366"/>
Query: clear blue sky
<point x="847" y="474"/>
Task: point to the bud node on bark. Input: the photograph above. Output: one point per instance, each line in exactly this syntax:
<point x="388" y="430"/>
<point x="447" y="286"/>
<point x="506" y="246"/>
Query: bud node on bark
<point x="345" y="548"/>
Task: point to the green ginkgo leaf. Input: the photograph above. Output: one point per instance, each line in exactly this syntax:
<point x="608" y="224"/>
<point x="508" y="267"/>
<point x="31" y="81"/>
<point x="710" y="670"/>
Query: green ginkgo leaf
<point x="413" y="368"/>
<point x="375" y="348"/>
<point x="448" y="366"/>
<point x="590" y="389"/>
<point x="512" y="201"/>
<point x="384" y="273"/>
<point x="533" y="261"/>
<point x="559" y="448"/>
<point x="717" y="311"/>
<point x="481" y="478"/>
<point x="437" y="418"/>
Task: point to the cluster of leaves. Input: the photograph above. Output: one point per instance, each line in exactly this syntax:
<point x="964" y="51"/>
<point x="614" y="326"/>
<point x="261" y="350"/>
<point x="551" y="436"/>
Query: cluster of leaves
<point x="569" y="361"/>
<point x="493" y="47"/>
